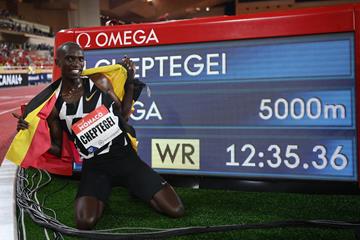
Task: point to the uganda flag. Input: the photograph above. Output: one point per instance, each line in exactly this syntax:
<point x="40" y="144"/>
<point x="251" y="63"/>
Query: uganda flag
<point x="30" y="147"/>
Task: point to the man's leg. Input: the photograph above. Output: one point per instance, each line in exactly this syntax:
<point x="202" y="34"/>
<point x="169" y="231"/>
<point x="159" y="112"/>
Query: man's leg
<point x="167" y="202"/>
<point x="148" y="185"/>
<point x="88" y="210"/>
<point x="94" y="190"/>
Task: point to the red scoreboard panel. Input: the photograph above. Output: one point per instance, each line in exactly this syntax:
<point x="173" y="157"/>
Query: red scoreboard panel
<point x="268" y="97"/>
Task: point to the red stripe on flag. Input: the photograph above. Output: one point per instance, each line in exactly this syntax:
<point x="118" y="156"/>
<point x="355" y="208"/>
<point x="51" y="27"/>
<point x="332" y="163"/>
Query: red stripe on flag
<point x="37" y="155"/>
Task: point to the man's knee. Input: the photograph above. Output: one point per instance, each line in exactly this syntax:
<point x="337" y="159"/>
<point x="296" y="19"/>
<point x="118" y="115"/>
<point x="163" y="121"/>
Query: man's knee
<point x="169" y="202"/>
<point x="88" y="211"/>
<point x="86" y="223"/>
<point x="177" y="211"/>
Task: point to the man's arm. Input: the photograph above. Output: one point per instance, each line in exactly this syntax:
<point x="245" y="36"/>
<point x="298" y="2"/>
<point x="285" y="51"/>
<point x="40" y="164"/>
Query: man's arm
<point x="55" y="130"/>
<point x="127" y="100"/>
<point x="21" y="124"/>
<point x="105" y="86"/>
<point x="129" y="87"/>
<point x="55" y="133"/>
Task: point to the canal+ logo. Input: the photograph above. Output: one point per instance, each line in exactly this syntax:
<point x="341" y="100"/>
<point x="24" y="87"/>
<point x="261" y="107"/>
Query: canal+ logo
<point x="10" y="79"/>
<point x="117" y="39"/>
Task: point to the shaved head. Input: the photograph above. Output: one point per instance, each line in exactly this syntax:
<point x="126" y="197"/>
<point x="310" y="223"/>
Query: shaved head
<point x="70" y="59"/>
<point x="60" y="51"/>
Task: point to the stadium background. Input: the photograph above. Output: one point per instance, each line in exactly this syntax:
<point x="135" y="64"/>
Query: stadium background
<point x="27" y="29"/>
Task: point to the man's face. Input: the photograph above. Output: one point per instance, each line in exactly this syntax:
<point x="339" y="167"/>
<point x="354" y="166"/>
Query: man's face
<point x="71" y="62"/>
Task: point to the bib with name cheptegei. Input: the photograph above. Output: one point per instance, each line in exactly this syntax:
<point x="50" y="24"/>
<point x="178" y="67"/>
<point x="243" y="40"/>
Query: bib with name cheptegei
<point x="97" y="129"/>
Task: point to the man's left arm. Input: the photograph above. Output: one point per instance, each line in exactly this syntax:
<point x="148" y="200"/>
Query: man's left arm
<point x="127" y="100"/>
<point x="104" y="85"/>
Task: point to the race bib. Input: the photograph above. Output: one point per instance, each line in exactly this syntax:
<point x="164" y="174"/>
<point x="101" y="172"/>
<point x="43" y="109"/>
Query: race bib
<point x="97" y="129"/>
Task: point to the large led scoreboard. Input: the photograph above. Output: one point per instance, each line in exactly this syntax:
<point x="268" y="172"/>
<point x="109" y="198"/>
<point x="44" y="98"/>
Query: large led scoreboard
<point x="262" y="96"/>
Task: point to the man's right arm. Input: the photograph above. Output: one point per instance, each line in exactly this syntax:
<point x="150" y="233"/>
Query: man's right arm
<point x="55" y="133"/>
<point x="55" y="130"/>
<point x="21" y="124"/>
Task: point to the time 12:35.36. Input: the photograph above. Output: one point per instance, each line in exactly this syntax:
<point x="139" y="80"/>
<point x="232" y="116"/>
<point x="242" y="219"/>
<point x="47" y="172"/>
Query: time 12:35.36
<point x="275" y="156"/>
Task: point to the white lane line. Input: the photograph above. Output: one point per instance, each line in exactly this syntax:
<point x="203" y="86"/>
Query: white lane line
<point x="9" y="110"/>
<point x="16" y="97"/>
<point x="5" y="103"/>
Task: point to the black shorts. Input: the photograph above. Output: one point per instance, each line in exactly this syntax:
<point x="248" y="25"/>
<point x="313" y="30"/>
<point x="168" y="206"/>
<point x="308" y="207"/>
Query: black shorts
<point x="120" y="167"/>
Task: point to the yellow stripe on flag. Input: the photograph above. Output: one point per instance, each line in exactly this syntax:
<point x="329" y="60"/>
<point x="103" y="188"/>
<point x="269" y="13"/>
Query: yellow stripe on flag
<point x="134" y="142"/>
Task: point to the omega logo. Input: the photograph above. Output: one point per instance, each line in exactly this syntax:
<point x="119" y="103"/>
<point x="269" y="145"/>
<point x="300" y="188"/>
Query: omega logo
<point x="120" y="38"/>
<point x="87" y="37"/>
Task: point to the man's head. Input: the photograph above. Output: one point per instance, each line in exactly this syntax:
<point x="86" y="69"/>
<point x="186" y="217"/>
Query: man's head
<point x="70" y="59"/>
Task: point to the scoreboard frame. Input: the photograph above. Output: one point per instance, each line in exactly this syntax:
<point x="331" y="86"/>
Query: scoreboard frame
<point x="298" y="22"/>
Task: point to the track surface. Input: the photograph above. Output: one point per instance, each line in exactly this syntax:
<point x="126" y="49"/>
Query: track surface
<point x="10" y="101"/>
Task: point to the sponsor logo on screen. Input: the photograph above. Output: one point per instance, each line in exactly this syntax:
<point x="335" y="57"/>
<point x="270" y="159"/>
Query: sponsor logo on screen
<point x="117" y="38"/>
<point x="175" y="153"/>
<point x="37" y="78"/>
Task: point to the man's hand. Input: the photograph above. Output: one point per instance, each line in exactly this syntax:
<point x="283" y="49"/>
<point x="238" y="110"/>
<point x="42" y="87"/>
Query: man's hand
<point x="130" y="67"/>
<point x="21" y="124"/>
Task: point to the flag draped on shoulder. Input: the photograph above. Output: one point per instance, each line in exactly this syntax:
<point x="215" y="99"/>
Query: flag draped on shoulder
<point x="29" y="147"/>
